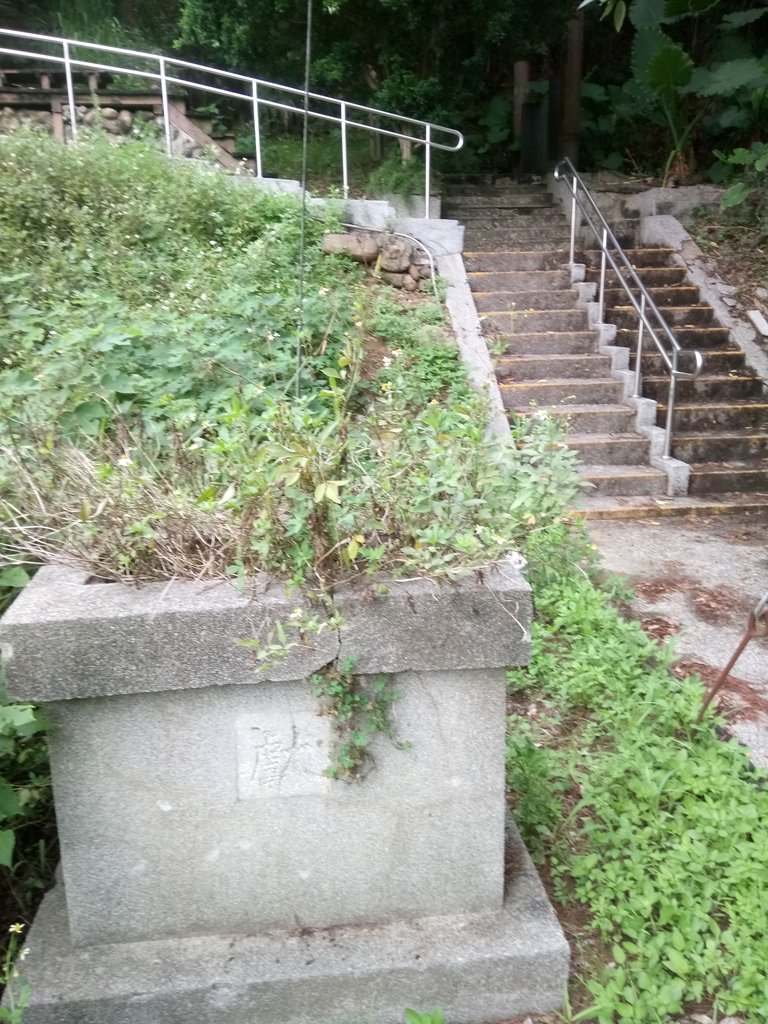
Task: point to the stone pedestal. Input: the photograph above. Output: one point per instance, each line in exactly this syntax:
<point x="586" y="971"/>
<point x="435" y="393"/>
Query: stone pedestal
<point x="209" y="865"/>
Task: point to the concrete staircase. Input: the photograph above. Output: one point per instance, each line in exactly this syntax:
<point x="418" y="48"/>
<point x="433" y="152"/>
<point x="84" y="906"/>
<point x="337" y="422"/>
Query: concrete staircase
<point x="721" y="419"/>
<point x="548" y="359"/>
<point x="535" y="322"/>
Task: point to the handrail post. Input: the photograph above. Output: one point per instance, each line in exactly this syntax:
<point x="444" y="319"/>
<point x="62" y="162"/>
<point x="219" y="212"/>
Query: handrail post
<point x="572" y="256"/>
<point x="639" y="352"/>
<point x="166" y="111"/>
<point x="256" y="126"/>
<point x="70" y="90"/>
<point x="427" y="167"/>
<point x="670" y="407"/>
<point x="344" y="163"/>
<point x="601" y="296"/>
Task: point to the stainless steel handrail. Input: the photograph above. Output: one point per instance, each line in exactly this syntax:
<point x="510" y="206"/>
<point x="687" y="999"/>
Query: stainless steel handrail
<point x="407" y="128"/>
<point x="643" y="303"/>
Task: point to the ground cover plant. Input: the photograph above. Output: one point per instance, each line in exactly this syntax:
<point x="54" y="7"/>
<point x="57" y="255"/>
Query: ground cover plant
<point x="650" y="826"/>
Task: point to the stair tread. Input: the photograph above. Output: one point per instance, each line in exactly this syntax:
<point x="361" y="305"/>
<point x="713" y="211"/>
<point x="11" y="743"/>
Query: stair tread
<point x="637" y="506"/>
<point x="740" y="403"/>
<point x="587" y="407"/>
<point x="725" y="435"/>
<point x="728" y="466"/>
<point x="555" y="357"/>
<point x="565" y="381"/>
<point x="604" y="437"/>
<point x="508" y="252"/>
<point x="598" y="469"/>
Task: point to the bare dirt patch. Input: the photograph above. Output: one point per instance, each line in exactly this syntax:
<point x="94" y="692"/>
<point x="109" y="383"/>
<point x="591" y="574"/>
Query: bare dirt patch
<point x="716" y="606"/>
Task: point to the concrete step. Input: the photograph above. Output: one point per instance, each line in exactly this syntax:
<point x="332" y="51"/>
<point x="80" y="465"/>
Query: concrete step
<point x="623" y="480"/>
<point x="499" y="301"/>
<point x="562" y="393"/>
<point x="505" y="260"/>
<point x="551" y="367"/>
<point x="718" y="477"/>
<point x="521" y="281"/>
<point x="493" y="215"/>
<point x="516" y="240"/>
<point x="547" y="343"/>
<point x="592" y="506"/>
<point x="687" y="337"/>
<point x="604" y="418"/>
<point x="610" y="449"/>
<point x="651" y="277"/>
<point x="513" y="196"/>
<point x="701" y="416"/>
<point x="655" y="256"/>
<point x="677" y="295"/>
<point x="716" y="361"/>
<point x="705" y="388"/>
<point x="720" y="446"/>
<point x="675" y="316"/>
<point x="541" y="320"/>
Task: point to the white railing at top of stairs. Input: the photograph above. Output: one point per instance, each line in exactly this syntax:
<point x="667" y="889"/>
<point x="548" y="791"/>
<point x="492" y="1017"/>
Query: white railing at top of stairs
<point x="168" y="71"/>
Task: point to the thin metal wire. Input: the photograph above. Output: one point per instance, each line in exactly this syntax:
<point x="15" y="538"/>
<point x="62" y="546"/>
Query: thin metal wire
<point x="302" y="243"/>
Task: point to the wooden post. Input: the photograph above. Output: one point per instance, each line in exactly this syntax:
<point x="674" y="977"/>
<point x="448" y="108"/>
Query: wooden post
<point x="522" y="76"/>
<point x="569" y="137"/>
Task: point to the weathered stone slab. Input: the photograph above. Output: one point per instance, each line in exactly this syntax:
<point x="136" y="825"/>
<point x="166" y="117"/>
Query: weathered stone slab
<point x="64" y="638"/>
<point x="481" y="620"/>
<point x="475" y="967"/>
<point x="207" y="811"/>
<point x="360" y="245"/>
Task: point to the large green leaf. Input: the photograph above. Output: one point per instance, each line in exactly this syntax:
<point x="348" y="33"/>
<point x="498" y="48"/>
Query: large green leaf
<point x="645" y="15"/>
<point x="738" y="19"/>
<point x="670" y="69"/>
<point x="676" y="8"/>
<point x="9" y="800"/>
<point x="645" y="46"/>
<point x="7" y="842"/>
<point x="729" y="77"/>
<point x="14" y="576"/>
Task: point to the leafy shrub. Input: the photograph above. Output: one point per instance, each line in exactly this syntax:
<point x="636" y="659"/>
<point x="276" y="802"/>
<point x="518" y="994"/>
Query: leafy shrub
<point x="658" y="832"/>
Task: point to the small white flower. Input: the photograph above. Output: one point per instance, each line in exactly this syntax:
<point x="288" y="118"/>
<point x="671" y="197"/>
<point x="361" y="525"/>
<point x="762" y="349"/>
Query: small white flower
<point x="125" y="460"/>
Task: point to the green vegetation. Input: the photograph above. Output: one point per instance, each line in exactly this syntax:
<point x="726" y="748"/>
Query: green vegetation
<point x="648" y="821"/>
<point x="150" y="424"/>
<point x="359" y="711"/>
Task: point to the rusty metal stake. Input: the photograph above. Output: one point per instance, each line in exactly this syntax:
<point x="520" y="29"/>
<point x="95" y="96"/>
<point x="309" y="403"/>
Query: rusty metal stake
<point x="757" y="625"/>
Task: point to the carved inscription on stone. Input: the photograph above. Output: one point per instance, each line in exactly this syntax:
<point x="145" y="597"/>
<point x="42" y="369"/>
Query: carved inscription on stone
<point x="281" y="754"/>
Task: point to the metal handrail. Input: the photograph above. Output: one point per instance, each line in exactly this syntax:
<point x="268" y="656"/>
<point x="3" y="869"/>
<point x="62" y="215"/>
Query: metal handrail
<point x="406" y="128"/>
<point x="667" y="344"/>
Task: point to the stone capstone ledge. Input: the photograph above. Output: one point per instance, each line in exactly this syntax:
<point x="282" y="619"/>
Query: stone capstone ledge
<point x="66" y="638"/>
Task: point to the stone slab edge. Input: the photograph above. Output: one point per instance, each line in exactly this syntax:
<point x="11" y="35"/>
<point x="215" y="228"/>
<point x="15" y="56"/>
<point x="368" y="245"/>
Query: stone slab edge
<point x="64" y="638"/>
<point x="475" y="968"/>
<point x="667" y="230"/>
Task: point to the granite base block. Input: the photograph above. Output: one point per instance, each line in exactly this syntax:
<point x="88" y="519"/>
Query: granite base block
<point x="474" y="967"/>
